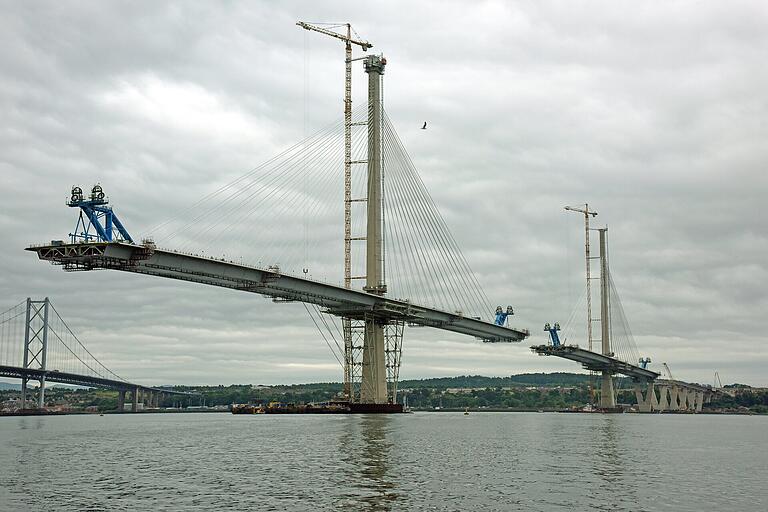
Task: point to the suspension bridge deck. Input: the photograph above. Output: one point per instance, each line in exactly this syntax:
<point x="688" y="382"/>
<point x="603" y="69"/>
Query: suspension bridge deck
<point x="148" y="260"/>
<point x="596" y="362"/>
<point x="75" y="379"/>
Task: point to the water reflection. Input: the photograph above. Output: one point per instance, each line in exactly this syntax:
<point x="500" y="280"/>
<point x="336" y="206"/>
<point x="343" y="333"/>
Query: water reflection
<point x="614" y="490"/>
<point x="31" y="423"/>
<point x="367" y="451"/>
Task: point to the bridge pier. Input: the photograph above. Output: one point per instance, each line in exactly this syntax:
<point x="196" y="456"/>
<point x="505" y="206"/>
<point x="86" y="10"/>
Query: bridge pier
<point x="699" y="401"/>
<point x="649" y="403"/>
<point x="663" y="398"/>
<point x="24" y="381"/>
<point x="685" y="399"/>
<point x="607" y="393"/>
<point x="121" y="400"/>
<point x="135" y="403"/>
<point x="673" y="404"/>
<point x="673" y="397"/>
<point x="41" y="393"/>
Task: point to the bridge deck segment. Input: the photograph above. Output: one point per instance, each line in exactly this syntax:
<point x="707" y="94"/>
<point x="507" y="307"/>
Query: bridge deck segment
<point x="596" y="362"/>
<point x="146" y="259"/>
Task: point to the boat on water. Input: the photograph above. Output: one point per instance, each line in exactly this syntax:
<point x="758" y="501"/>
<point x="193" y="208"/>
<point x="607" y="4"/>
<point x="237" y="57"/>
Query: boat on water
<point x="339" y="407"/>
<point x="291" y="408"/>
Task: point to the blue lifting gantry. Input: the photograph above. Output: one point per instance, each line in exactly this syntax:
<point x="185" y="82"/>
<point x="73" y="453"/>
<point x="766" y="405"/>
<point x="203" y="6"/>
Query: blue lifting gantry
<point x="501" y="315"/>
<point x="93" y="211"/>
<point x="552" y="330"/>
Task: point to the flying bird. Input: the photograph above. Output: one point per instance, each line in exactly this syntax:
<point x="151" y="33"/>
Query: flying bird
<point x="425" y="126"/>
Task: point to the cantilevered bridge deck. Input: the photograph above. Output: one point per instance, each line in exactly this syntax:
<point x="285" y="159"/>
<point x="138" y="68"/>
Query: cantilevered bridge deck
<point x="146" y="259"/>
<point x="596" y="362"/>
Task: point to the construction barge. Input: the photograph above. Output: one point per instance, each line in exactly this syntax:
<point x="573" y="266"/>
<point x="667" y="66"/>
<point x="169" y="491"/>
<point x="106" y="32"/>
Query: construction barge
<point x="316" y="408"/>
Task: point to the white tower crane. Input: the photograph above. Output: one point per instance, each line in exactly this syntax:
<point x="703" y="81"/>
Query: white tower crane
<point x="347" y="328"/>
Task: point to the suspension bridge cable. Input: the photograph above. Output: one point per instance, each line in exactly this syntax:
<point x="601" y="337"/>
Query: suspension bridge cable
<point x="110" y="372"/>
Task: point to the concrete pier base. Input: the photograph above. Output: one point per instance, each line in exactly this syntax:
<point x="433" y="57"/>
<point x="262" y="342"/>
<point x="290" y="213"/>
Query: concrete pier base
<point x="647" y="403"/>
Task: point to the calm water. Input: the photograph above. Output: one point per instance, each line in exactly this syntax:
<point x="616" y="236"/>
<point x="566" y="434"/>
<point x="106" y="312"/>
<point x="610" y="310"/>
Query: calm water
<point x="423" y="461"/>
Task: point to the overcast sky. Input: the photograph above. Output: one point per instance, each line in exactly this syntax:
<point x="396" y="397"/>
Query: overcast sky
<point x="653" y="112"/>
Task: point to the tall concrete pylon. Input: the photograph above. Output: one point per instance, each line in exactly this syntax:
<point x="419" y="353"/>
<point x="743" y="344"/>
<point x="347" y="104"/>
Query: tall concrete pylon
<point x="607" y="395"/>
<point x="373" y="388"/>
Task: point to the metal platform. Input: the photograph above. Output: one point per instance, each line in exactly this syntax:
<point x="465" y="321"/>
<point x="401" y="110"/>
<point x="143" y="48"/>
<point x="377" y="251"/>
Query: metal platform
<point x="146" y="259"/>
<point x="596" y="362"/>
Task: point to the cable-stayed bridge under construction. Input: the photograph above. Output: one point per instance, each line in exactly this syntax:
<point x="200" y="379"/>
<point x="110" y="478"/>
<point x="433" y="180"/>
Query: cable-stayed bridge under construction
<point x="280" y="218"/>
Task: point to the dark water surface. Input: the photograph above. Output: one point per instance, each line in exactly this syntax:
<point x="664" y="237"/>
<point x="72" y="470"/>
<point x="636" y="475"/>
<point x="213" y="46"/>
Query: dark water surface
<point x="422" y="461"/>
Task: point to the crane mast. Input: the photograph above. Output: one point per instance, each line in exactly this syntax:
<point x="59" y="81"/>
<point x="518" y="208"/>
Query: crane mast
<point x="588" y="258"/>
<point x="587" y="213"/>
<point x="347" y="327"/>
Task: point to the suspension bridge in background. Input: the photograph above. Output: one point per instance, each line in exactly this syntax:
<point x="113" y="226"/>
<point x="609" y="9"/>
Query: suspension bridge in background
<point x="36" y="344"/>
<point x="273" y="232"/>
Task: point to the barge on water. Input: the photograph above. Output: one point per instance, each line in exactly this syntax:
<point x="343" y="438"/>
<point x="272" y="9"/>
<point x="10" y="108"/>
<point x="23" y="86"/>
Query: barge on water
<point x="317" y="408"/>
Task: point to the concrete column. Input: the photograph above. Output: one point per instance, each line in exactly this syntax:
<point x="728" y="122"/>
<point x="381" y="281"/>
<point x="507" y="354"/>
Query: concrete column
<point x="663" y="400"/>
<point x="642" y="404"/>
<point x="135" y="404"/>
<point x="648" y="403"/>
<point x="374" y="238"/>
<point x="699" y="400"/>
<point x="673" y="398"/>
<point x="373" y="388"/>
<point x="607" y="395"/>
<point x="685" y="395"/>
<point x="23" y="393"/>
<point x="41" y="393"/>
<point x="121" y="400"/>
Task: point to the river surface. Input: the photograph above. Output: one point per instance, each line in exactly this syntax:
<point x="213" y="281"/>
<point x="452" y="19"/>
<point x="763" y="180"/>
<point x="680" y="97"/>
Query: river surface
<point x="422" y="461"/>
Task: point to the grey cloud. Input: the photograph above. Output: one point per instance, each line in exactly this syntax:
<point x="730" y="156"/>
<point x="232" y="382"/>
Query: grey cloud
<point x="652" y="113"/>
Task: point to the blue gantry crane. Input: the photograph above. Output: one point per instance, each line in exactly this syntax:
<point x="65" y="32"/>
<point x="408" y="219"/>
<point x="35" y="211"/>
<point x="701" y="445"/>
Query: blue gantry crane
<point x="552" y="330"/>
<point x="97" y="222"/>
<point x="501" y="315"/>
